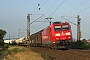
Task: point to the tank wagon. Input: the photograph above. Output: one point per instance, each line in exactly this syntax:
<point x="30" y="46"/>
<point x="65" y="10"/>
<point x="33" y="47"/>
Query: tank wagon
<point x="55" y="35"/>
<point x="20" y="41"/>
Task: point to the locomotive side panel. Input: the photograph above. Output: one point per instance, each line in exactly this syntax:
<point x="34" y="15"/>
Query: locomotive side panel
<point x="46" y="36"/>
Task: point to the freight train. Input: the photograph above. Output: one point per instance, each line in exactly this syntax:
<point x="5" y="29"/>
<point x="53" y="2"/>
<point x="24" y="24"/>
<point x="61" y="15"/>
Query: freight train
<point x="57" y="34"/>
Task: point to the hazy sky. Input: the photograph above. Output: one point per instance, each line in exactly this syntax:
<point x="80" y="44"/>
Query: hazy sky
<point x="13" y="15"/>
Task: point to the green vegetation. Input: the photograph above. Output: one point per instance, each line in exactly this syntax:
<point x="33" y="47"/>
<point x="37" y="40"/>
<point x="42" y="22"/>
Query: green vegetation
<point x="21" y="53"/>
<point x="16" y="49"/>
<point x="86" y="46"/>
<point x="46" y="57"/>
<point x="81" y="44"/>
<point x="2" y="34"/>
<point x="6" y="45"/>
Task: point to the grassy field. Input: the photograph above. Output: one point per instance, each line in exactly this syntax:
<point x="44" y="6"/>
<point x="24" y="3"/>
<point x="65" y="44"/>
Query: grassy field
<point x="22" y="53"/>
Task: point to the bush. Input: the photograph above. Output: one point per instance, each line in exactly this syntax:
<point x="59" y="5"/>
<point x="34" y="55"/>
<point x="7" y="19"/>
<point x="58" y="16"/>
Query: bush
<point x="1" y="43"/>
<point x="46" y="57"/>
<point x="17" y="49"/>
<point x="77" y="44"/>
<point x="1" y="49"/>
<point x="6" y="45"/>
<point x="86" y="46"/>
<point x="81" y="44"/>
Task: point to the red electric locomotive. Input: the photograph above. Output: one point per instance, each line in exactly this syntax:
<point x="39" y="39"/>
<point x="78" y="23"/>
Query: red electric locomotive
<point x="57" y="34"/>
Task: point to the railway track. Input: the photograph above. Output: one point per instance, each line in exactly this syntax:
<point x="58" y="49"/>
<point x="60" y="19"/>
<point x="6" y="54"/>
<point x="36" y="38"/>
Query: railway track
<point x="80" y="54"/>
<point x="71" y="54"/>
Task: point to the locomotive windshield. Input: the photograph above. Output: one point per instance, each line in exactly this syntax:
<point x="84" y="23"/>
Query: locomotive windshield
<point x="57" y="28"/>
<point x="63" y="27"/>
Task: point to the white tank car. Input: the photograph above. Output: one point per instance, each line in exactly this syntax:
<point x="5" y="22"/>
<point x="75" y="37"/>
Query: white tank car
<point x="8" y="41"/>
<point x="20" y="40"/>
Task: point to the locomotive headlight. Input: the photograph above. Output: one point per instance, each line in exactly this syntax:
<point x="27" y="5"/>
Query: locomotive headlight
<point x="69" y="37"/>
<point x="68" y="33"/>
<point x="58" y="34"/>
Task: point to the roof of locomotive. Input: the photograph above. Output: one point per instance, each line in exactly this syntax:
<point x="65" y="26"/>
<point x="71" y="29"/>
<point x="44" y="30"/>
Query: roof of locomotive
<point x="60" y="22"/>
<point x="55" y="23"/>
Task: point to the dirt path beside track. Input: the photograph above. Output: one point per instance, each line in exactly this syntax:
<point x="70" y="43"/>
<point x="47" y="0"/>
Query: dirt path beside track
<point x="2" y="55"/>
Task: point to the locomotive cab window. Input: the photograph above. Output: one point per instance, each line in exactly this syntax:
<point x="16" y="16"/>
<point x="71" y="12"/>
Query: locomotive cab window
<point x="65" y="27"/>
<point x="57" y="28"/>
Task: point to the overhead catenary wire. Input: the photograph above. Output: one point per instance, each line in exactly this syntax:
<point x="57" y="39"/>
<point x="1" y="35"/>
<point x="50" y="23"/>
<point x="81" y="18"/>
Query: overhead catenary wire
<point x="80" y="11"/>
<point x="48" y="9"/>
<point x="60" y="5"/>
<point x="40" y="16"/>
<point x="76" y="7"/>
<point x="51" y="6"/>
<point x="44" y="3"/>
<point x="37" y="19"/>
<point x="37" y="6"/>
<point x="57" y="7"/>
<point x="41" y="6"/>
<point x="68" y="20"/>
<point x="46" y="12"/>
<point x="86" y="18"/>
<point x="22" y="31"/>
<point x="75" y="14"/>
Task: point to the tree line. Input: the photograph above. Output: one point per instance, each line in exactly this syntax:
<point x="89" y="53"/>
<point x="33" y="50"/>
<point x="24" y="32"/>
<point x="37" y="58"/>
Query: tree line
<point x="2" y="34"/>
